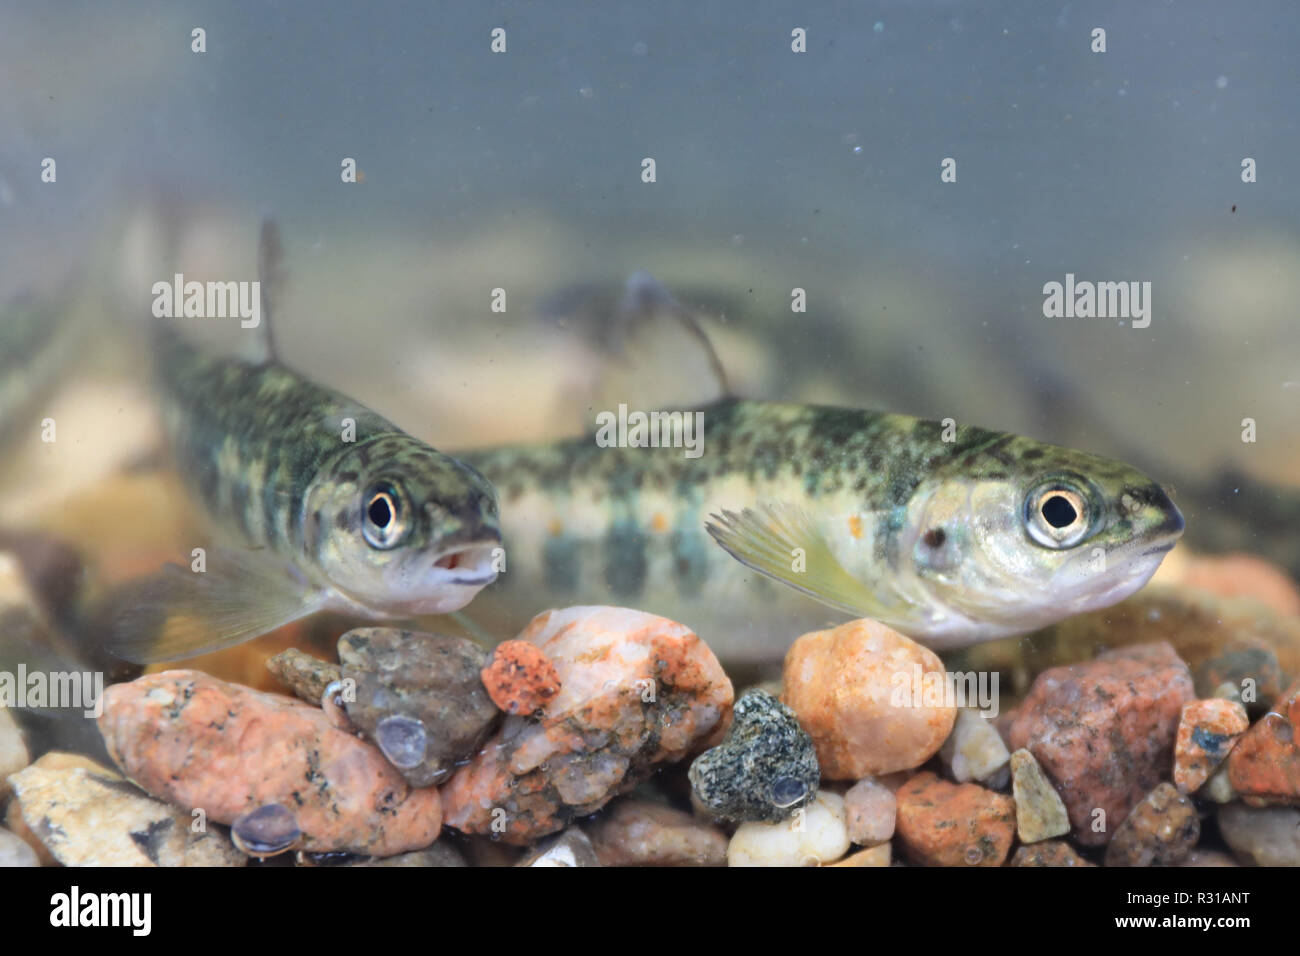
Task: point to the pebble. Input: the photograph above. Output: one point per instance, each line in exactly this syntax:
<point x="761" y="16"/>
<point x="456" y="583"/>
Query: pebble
<point x="418" y="697"/>
<point x="1104" y="731"/>
<point x="1201" y="858"/>
<point x="14" y="851"/>
<point x="635" y="832"/>
<point x="1160" y="831"/>
<point x="570" y="848"/>
<point x="1207" y="731"/>
<point x="852" y="688"/>
<point x="1049" y="853"/>
<point x="764" y="769"/>
<point x="875" y="856"/>
<point x="815" y="835"/>
<point x="441" y="854"/>
<point x="1251" y="675"/>
<point x="1217" y="638"/>
<point x="1218" y="789"/>
<point x="636" y="691"/>
<point x="950" y="824"/>
<point x="198" y="742"/>
<point x="974" y="750"/>
<point x="1264" y="766"/>
<point x="1264" y="836"/>
<point x="872" y="811"/>
<point x="1243" y="575"/>
<point x="519" y="678"/>
<point x="13" y="751"/>
<point x="1040" y="813"/>
<point x="305" y="675"/>
<point x="95" y="817"/>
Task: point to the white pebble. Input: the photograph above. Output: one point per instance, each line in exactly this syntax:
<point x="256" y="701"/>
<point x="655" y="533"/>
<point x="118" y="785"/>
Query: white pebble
<point x="974" y="750"/>
<point x="818" y="834"/>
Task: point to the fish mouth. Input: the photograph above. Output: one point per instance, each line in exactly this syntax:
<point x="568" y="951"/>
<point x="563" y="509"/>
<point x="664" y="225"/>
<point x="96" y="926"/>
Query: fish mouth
<point x="467" y="566"/>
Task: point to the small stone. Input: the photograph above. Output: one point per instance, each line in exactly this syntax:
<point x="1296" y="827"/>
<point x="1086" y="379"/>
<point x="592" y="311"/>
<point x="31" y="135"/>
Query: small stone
<point x="1207" y="732"/>
<point x="875" y="856"/>
<point x="1244" y="575"/>
<point x="636" y="691"/>
<point x="644" y="833"/>
<point x="815" y="835"/>
<point x="1104" y="731"/>
<point x="198" y="742"/>
<point x="1264" y="766"/>
<point x="860" y="691"/>
<point x="1218" y="788"/>
<point x="948" y="824"/>
<point x="1239" y="667"/>
<point x="95" y="817"/>
<point x="1201" y="858"/>
<point x="441" y="854"/>
<point x="1264" y="836"/>
<point x="520" y="678"/>
<point x="14" y="851"/>
<point x="303" y="674"/>
<point x="570" y="848"/>
<point x="974" y="750"/>
<point x="13" y="751"/>
<point x="418" y="697"/>
<point x="1040" y="813"/>
<point x="872" y="810"/>
<point x="764" y="769"/>
<point x="1049" y="853"/>
<point x="1160" y="831"/>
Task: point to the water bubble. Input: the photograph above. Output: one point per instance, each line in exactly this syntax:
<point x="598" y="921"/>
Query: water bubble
<point x="1221" y="82"/>
<point x="974" y="855"/>
<point x="879" y="26"/>
<point x="403" y="740"/>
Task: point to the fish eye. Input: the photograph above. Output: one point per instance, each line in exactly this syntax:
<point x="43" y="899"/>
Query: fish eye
<point x="1057" y="514"/>
<point x="383" y="515"/>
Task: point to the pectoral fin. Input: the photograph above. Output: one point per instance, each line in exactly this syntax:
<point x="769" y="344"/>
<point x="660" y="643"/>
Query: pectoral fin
<point x="783" y="542"/>
<point x="178" y="612"/>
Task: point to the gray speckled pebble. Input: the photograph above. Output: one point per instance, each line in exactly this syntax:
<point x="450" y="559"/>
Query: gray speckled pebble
<point x="418" y="697"/>
<point x="763" y="770"/>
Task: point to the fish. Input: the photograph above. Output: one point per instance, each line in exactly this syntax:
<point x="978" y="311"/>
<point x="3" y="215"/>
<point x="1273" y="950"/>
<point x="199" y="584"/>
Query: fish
<point x="317" y="503"/>
<point x="795" y="515"/>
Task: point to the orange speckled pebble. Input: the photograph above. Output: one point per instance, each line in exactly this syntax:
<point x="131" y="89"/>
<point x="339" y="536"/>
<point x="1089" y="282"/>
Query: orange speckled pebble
<point x="951" y="824"/>
<point x="198" y="742"/>
<point x="520" y="678"/>
<point x="636" y="690"/>
<point x="858" y="690"/>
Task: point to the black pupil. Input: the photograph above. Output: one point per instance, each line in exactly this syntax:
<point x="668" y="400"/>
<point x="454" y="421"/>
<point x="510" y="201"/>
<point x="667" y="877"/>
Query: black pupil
<point x="1058" y="512"/>
<point x="379" y="511"/>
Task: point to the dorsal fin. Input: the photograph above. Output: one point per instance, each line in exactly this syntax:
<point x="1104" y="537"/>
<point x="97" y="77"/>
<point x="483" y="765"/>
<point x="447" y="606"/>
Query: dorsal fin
<point x="270" y="275"/>
<point x="644" y="294"/>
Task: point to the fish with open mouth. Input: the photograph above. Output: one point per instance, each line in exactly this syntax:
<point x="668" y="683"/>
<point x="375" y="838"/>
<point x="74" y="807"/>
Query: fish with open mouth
<point x="324" y="505"/>
<point x="950" y="533"/>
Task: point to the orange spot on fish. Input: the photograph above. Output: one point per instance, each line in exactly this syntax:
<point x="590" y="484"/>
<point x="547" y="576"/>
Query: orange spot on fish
<point x="659" y="522"/>
<point x="556" y="527"/>
<point x="855" y="526"/>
